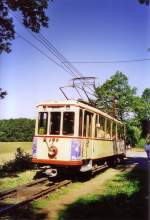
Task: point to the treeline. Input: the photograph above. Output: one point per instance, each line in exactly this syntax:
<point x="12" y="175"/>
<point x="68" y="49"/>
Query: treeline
<point x="21" y="129"/>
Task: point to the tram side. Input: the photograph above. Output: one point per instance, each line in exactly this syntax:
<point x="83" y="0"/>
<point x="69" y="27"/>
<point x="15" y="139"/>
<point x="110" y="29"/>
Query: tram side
<point x="72" y="134"/>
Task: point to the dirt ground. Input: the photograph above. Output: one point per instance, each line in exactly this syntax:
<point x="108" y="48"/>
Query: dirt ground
<point x="92" y="186"/>
<point x="53" y="207"/>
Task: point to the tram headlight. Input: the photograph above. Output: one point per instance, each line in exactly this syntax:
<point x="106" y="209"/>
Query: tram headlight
<point x="52" y="151"/>
<point x="75" y="149"/>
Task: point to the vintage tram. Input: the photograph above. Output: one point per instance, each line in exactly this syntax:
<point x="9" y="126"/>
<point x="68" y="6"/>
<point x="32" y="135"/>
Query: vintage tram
<point x="74" y="134"/>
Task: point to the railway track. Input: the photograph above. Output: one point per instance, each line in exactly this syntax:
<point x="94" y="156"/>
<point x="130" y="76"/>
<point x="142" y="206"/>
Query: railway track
<point x="18" y="196"/>
<point x="21" y="195"/>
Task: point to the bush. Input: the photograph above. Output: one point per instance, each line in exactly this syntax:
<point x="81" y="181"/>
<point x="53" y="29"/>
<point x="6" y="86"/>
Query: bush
<point x="133" y="135"/>
<point x="22" y="161"/>
<point x="141" y="143"/>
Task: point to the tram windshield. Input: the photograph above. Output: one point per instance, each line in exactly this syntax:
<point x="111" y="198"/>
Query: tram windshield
<point x="42" y="122"/>
<point x="55" y="123"/>
<point x="68" y="123"/>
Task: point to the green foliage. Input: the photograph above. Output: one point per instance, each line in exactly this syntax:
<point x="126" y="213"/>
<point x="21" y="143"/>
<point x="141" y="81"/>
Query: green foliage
<point x="133" y="134"/>
<point x="2" y="94"/>
<point x="21" y="129"/>
<point x="22" y="161"/>
<point x="146" y="95"/>
<point x="33" y="17"/>
<point x="129" y="107"/>
<point x="146" y="2"/>
<point x="141" y="142"/>
<point x="117" y="86"/>
<point x="141" y="108"/>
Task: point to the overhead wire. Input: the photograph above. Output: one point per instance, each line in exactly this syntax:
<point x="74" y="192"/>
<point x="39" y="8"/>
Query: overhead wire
<point x="51" y="48"/>
<point x="43" y="53"/>
<point x="37" y="48"/>
<point x="115" y="61"/>
<point x="60" y="55"/>
<point x="40" y="38"/>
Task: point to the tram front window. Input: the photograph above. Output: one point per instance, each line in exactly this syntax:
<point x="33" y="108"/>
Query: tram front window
<point x="42" y="123"/>
<point x="68" y="123"/>
<point x="55" y="123"/>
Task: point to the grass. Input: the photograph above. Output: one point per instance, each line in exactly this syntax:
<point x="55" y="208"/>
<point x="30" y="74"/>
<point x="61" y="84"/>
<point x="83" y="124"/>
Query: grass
<point x="16" y="180"/>
<point x="124" y="197"/>
<point x="8" y="149"/>
<point x="43" y="203"/>
<point x="9" y="162"/>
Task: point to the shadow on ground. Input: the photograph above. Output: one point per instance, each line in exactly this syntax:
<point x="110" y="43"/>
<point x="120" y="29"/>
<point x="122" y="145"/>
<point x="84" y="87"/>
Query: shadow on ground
<point x="121" y="206"/>
<point x="23" y="213"/>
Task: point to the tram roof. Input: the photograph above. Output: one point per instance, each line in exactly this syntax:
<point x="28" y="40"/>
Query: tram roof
<point x="79" y="104"/>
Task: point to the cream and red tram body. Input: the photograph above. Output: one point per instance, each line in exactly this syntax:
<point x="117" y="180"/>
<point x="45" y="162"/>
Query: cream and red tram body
<point x="74" y="134"/>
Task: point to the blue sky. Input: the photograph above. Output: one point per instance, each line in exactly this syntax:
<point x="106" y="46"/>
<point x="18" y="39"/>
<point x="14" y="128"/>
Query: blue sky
<point x="82" y="30"/>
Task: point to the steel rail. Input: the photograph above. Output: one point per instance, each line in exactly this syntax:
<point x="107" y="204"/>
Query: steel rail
<point x="37" y="195"/>
<point x="99" y="168"/>
<point x="8" y="192"/>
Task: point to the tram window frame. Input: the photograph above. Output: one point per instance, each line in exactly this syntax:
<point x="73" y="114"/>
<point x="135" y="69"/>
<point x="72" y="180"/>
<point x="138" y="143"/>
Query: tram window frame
<point x="114" y="130"/>
<point x="108" y="129"/>
<point x="96" y="125"/>
<point x="101" y="127"/>
<point x="68" y="131"/>
<point x="42" y="123"/>
<point x="120" y="132"/>
<point x="87" y="127"/>
<point x="57" y="126"/>
<point x="80" y="122"/>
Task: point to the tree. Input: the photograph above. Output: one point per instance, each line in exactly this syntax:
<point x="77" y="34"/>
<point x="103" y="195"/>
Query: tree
<point x="144" y="2"/>
<point x="141" y="106"/>
<point x="133" y="134"/>
<point x="33" y="17"/>
<point x="146" y="95"/>
<point x="117" y="86"/>
<point x="133" y="109"/>
<point x="21" y="129"/>
<point x="2" y="93"/>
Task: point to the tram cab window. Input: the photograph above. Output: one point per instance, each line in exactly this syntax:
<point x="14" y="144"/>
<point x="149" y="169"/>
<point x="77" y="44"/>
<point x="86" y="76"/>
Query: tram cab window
<point x="100" y="127"/>
<point x="68" y="123"/>
<point x="55" y="123"/>
<point x="87" y="132"/>
<point x="108" y="129"/>
<point x="42" y="122"/>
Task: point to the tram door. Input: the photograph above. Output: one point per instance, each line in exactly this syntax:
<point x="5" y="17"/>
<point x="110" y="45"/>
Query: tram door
<point x="88" y="134"/>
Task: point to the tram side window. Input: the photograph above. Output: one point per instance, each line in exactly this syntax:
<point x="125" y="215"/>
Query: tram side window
<point x="114" y="130"/>
<point x="55" y="123"/>
<point x="108" y="129"/>
<point x="101" y="127"/>
<point x="120" y="132"/>
<point x="80" y="123"/>
<point x="87" y="124"/>
<point x="42" y="122"/>
<point x="96" y="125"/>
<point x="68" y="123"/>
